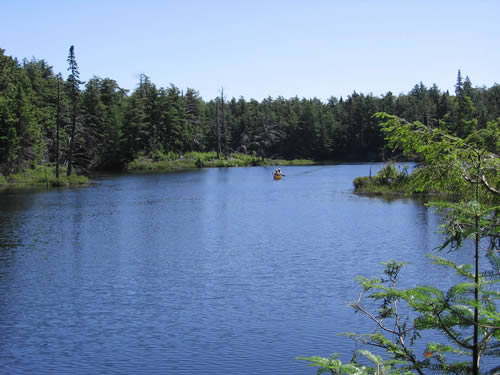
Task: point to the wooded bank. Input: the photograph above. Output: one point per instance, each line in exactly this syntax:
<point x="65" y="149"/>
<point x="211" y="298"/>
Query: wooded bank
<point x="112" y="127"/>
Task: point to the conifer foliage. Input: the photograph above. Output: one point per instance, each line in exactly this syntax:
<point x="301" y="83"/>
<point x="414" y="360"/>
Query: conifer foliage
<point x="103" y="126"/>
<point x="73" y="84"/>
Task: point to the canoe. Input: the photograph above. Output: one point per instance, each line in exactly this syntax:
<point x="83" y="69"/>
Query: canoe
<point x="277" y="176"/>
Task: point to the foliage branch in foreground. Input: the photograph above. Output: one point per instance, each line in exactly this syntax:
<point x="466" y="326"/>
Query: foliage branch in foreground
<point x="465" y="315"/>
<point x="447" y="163"/>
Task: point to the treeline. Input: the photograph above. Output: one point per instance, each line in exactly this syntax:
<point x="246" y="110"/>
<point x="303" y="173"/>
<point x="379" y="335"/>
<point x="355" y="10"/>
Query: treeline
<point x="103" y="126"/>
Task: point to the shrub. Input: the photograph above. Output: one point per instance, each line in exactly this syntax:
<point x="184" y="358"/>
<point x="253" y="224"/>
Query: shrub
<point x="361" y="182"/>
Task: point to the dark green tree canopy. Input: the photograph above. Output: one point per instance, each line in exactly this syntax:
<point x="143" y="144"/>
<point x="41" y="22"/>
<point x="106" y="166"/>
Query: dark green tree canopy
<point x="104" y="126"/>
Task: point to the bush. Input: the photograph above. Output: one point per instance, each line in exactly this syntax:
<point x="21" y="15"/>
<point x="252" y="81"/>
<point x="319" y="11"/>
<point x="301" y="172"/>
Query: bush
<point x="387" y="175"/>
<point x="361" y="182"/>
<point x="388" y="180"/>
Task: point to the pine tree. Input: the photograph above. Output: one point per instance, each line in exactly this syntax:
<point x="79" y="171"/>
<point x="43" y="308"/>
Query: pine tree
<point x="193" y="116"/>
<point x="74" y="83"/>
<point x="465" y="120"/>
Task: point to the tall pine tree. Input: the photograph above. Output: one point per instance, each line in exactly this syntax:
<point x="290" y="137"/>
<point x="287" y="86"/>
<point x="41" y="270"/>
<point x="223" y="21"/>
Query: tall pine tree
<point x="74" y="93"/>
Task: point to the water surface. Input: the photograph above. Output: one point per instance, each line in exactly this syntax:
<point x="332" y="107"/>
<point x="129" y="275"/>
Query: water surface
<point x="213" y="271"/>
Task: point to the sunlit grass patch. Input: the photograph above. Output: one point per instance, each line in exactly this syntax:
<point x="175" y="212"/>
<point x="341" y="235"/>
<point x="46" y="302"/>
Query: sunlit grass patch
<point x="295" y="162"/>
<point x="44" y="175"/>
<point x="171" y="161"/>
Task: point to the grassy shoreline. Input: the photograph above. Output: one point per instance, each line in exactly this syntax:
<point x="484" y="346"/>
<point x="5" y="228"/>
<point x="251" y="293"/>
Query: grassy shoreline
<point x="44" y="176"/>
<point x="390" y="183"/>
<point x="368" y="186"/>
<point x="166" y="162"/>
<point x="41" y="175"/>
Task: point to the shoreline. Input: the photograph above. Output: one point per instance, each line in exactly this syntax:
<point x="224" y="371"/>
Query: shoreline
<point x="402" y="189"/>
<point x="41" y="176"/>
<point x="206" y="160"/>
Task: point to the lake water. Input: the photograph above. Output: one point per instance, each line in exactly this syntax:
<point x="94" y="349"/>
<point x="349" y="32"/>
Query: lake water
<point x="213" y="271"/>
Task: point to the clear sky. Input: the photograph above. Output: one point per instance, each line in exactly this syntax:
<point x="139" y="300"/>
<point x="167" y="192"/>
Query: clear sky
<point x="255" y="49"/>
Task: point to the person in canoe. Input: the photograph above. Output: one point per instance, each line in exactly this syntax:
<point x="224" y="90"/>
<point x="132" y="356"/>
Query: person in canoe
<point x="277" y="174"/>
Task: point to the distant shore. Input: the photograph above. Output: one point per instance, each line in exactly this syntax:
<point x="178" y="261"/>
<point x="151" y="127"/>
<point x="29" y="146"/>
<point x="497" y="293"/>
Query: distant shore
<point x="193" y="160"/>
<point x="45" y="175"/>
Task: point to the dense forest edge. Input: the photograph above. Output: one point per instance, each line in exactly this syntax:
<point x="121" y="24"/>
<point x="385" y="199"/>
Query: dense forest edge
<point x="46" y="120"/>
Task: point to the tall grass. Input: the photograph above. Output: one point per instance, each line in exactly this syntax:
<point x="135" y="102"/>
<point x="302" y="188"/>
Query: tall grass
<point x="294" y="162"/>
<point x="171" y="161"/>
<point x="43" y="175"/>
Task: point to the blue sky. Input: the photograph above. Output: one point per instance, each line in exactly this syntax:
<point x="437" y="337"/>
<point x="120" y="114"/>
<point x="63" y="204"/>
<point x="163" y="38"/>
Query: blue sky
<point x="255" y="49"/>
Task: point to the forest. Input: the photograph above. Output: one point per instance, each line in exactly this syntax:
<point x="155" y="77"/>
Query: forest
<point x="46" y="119"/>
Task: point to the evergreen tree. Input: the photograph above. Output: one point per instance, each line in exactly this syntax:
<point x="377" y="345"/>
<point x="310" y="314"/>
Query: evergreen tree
<point x="464" y="120"/>
<point x="193" y="111"/>
<point x="58" y="125"/>
<point x="43" y="97"/>
<point x="74" y="92"/>
<point x="101" y="112"/>
<point x="9" y="71"/>
<point x="137" y="120"/>
<point x="27" y="129"/>
<point x="178" y="135"/>
<point x="110" y="148"/>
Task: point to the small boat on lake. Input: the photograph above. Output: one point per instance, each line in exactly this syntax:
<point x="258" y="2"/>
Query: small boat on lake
<point x="277" y="175"/>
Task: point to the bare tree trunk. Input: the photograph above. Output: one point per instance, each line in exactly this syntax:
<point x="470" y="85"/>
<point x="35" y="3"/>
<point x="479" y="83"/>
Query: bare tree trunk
<point x="58" y="115"/>
<point x="224" y="148"/>
<point x="220" y="126"/>
<point x="74" y="81"/>
<point x="72" y="140"/>
<point x="217" y="126"/>
<point x="475" y="345"/>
